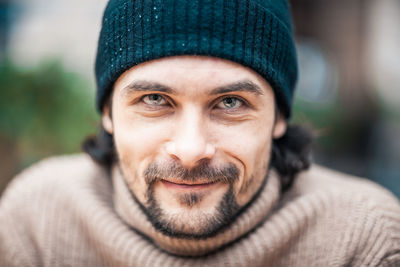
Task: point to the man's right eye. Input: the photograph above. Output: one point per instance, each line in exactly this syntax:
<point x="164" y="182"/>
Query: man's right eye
<point x="154" y="100"/>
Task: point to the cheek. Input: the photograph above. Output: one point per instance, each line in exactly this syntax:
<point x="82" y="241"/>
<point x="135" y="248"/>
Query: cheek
<point x="137" y="144"/>
<point x="249" y="143"/>
<point x="137" y="140"/>
<point x="251" y="146"/>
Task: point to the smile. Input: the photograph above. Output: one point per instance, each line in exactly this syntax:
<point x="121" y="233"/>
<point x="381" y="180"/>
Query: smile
<point x="186" y="185"/>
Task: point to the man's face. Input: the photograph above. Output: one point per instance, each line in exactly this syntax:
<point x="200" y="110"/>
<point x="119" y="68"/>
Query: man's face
<point x="193" y="137"/>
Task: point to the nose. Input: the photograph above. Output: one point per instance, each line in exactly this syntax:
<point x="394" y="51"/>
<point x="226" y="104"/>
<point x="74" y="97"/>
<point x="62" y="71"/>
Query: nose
<point x="190" y="143"/>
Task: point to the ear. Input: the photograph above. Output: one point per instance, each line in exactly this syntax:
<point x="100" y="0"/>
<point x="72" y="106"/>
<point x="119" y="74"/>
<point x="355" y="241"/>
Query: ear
<point x="279" y="127"/>
<point x="106" y="119"/>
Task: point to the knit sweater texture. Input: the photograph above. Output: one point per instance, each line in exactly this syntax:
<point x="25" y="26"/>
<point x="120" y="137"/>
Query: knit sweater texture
<point x="68" y="211"/>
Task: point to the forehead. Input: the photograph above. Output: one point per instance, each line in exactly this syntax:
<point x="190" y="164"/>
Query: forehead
<point x="183" y="73"/>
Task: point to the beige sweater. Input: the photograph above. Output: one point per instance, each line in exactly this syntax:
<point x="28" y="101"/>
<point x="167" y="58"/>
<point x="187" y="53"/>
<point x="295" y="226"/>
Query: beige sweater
<point x="66" y="211"/>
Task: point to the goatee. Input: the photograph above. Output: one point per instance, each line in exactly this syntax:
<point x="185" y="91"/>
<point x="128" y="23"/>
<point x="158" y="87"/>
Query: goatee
<point x="207" y="224"/>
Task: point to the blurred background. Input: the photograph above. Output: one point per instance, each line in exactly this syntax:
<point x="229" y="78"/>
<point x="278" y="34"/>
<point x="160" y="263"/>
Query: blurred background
<point x="348" y="92"/>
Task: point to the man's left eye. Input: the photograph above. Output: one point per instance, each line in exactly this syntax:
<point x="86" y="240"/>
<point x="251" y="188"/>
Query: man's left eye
<point x="230" y="103"/>
<point x="154" y="99"/>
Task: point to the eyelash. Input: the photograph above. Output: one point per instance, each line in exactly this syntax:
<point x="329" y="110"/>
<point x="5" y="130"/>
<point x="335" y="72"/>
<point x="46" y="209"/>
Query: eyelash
<point x="216" y="103"/>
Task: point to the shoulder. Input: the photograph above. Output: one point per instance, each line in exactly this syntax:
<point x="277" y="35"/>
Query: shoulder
<point x="319" y="179"/>
<point x="53" y="180"/>
<point x="363" y="214"/>
<point x="46" y="199"/>
<point x="350" y="193"/>
<point x="58" y="166"/>
<point x="59" y="171"/>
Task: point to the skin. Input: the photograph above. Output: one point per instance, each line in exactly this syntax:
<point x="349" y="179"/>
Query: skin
<point x="187" y="111"/>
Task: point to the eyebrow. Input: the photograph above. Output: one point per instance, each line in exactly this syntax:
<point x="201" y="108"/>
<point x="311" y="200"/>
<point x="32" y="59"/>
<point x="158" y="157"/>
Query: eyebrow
<point x="240" y="86"/>
<point x="143" y="86"/>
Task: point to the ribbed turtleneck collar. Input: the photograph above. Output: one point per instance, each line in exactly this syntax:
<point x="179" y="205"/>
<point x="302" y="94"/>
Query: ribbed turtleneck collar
<point x="255" y="213"/>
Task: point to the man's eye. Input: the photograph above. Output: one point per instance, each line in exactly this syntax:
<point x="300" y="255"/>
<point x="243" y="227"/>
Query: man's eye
<point x="154" y="99"/>
<point x="230" y="103"/>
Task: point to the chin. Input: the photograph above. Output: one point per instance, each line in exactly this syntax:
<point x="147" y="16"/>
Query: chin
<point x="192" y="215"/>
<point x="193" y="223"/>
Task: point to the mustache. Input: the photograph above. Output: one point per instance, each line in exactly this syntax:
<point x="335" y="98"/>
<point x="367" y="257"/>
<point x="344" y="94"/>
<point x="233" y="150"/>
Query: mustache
<point x="203" y="172"/>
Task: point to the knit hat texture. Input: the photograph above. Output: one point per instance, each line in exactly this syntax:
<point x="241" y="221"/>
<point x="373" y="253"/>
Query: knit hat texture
<point x="255" y="33"/>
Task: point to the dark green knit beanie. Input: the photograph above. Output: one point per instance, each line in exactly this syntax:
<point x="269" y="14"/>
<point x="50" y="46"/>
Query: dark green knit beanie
<point x="254" y="33"/>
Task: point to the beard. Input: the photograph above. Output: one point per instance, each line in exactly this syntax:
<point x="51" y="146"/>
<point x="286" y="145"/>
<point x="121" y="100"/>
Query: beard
<point x="205" y="224"/>
<point x="192" y="222"/>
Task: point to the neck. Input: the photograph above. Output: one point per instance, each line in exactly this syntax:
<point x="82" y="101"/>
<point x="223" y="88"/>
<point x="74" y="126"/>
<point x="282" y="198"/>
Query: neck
<point x="248" y="219"/>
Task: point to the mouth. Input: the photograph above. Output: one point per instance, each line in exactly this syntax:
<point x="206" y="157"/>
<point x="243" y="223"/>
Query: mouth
<point x="184" y="185"/>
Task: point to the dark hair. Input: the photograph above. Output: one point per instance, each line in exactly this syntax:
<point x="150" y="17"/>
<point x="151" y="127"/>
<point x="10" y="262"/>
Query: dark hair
<point x="290" y="153"/>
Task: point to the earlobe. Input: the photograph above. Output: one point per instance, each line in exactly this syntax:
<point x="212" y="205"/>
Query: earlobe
<point x="279" y="127"/>
<point x="106" y="119"/>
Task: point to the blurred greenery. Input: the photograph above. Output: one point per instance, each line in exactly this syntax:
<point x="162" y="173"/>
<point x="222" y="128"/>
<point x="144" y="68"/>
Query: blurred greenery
<point x="331" y="127"/>
<point x="44" y="110"/>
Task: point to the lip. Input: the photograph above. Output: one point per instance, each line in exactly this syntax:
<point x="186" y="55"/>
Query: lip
<point x="186" y="186"/>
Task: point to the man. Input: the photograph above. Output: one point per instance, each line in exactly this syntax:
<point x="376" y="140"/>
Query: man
<point x="195" y="164"/>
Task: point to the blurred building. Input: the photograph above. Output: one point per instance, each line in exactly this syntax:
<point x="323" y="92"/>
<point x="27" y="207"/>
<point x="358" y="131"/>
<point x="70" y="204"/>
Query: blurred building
<point x="349" y="54"/>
